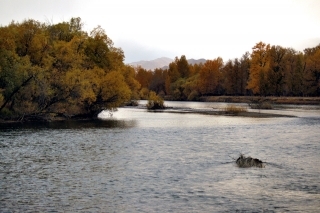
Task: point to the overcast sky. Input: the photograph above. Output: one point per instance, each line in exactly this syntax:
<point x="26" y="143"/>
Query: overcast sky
<point x="147" y="29"/>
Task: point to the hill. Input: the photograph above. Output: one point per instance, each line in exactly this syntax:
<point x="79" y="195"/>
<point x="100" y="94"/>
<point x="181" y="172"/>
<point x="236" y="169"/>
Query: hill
<point x="153" y="64"/>
<point x="162" y="63"/>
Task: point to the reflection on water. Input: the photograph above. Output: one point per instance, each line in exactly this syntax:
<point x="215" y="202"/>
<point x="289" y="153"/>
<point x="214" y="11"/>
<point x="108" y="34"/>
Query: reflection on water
<point x="71" y="124"/>
<point x="137" y="161"/>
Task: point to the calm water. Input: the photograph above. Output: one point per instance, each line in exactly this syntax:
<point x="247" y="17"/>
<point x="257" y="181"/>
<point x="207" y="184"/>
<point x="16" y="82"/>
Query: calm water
<point x="139" y="161"/>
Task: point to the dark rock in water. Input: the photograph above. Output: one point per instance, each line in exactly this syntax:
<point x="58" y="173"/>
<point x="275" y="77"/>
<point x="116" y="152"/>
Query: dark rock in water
<point x="245" y="162"/>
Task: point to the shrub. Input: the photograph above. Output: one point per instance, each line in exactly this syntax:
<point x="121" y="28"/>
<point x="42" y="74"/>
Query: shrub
<point x="193" y="96"/>
<point x="154" y="101"/>
<point x="144" y="93"/>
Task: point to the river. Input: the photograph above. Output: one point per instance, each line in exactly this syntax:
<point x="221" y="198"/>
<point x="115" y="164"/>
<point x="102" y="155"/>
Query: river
<point x="140" y="161"/>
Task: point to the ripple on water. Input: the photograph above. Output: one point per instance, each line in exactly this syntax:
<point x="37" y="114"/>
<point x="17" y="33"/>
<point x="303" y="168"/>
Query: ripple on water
<point x="161" y="162"/>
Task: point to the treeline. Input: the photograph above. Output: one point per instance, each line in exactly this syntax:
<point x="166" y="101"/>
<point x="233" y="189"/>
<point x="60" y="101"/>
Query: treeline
<point x="61" y="69"/>
<point x="267" y="71"/>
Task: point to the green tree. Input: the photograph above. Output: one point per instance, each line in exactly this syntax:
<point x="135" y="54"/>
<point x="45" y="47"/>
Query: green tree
<point x="183" y="67"/>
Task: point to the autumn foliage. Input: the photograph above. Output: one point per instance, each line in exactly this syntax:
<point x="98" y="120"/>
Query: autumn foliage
<point x="61" y="69"/>
<point x="154" y="101"/>
<point x="266" y="71"/>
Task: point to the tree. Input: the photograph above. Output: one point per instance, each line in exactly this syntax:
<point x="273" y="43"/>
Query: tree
<point x="230" y="78"/>
<point x="276" y="73"/>
<point x="244" y="72"/>
<point x="157" y="82"/>
<point x="294" y="68"/>
<point x="209" y="76"/>
<point x="258" y="68"/>
<point x="183" y="67"/>
<point x="143" y="77"/>
<point x="178" y="88"/>
<point x="154" y="101"/>
<point x="15" y="74"/>
<point x="129" y="75"/>
<point x="173" y="71"/>
<point x="60" y="69"/>
<point x="312" y="71"/>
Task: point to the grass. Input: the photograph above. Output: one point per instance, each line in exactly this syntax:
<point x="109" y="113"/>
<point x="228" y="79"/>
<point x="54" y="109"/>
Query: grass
<point x="261" y="105"/>
<point x="233" y="109"/>
<point x="270" y="99"/>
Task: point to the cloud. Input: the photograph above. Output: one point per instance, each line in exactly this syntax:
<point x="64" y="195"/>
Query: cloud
<point x="40" y="10"/>
<point x="146" y="30"/>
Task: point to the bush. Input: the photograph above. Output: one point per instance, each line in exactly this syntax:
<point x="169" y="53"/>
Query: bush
<point x="144" y="93"/>
<point x="193" y="96"/>
<point x="154" y="101"/>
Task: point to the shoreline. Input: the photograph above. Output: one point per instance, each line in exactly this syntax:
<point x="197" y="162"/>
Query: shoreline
<point x="225" y="99"/>
<point x="167" y="110"/>
<point x="225" y="113"/>
<point x="271" y="99"/>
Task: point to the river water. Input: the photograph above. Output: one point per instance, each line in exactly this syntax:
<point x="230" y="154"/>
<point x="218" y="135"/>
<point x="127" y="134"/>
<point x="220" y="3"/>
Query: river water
<point x="140" y="161"/>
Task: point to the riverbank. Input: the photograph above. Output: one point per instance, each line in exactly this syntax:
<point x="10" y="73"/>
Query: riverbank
<point x="225" y="113"/>
<point x="255" y="99"/>
<point x="47" y="118"/>
<point x="51" y="117"/>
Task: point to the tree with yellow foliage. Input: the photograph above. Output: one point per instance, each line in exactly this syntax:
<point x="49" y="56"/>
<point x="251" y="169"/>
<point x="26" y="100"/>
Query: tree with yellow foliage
<point x="61" y="70"/>
<point x="311" y="80"/>
<point x="209" y="76"/>
<point x="258" y="68"/>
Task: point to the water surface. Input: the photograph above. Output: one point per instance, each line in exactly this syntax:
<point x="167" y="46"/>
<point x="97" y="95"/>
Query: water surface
<point x="139" y="161"/>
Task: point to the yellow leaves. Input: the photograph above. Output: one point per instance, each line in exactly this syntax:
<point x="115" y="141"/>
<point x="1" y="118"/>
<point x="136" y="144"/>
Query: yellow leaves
<point x="209" y="76"/>
<point x="66" y="56"/>
<point x="115" y="58"/>
<point x="129" y="74"/>
<point x="154" y="101"/>
<point x="260" y="62"/>
<point x="39" y="46"/>
<point x="60" y="68"/>
<point x="96" y="87"/>
<point x="114" y="90"/>
<point x="7" y="39"/>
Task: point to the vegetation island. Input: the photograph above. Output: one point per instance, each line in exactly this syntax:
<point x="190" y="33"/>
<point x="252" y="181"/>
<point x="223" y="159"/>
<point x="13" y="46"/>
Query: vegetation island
<point x="59" y="71"/>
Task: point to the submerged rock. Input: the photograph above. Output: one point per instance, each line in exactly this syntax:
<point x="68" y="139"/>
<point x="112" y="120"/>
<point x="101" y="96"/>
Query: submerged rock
<point x="245" y="162"/>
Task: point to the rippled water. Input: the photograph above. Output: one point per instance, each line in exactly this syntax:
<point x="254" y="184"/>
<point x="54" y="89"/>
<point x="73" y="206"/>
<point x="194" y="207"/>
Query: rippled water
<point x="139" y="161"/>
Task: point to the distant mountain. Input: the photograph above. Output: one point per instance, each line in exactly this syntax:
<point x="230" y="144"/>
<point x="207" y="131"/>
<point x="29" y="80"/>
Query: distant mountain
<point x="196" y="61"/>
<point x="153" y="64"/>
<point x="190" y="61"/>
<point x="162" y="63"/>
